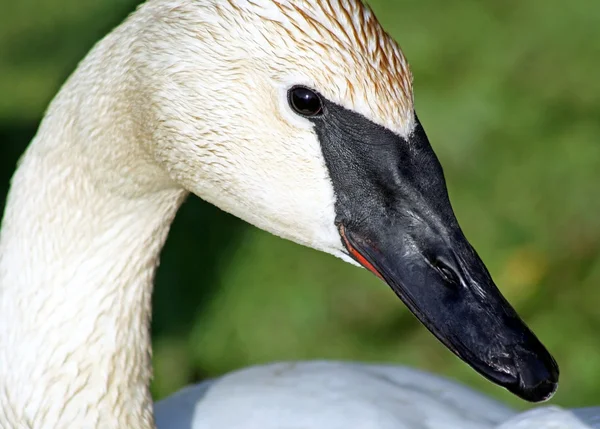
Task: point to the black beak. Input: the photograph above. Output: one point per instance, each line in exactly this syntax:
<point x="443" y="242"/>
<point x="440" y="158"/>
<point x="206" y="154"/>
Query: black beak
<point x="445" y="284"/>
<point x="395" y="218"/>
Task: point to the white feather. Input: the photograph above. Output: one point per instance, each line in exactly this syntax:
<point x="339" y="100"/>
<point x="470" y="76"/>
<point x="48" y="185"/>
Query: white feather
<point x="188" y="97"/>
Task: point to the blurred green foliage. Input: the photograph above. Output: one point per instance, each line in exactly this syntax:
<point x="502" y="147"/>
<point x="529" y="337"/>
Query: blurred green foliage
<point x="510" y="96"/>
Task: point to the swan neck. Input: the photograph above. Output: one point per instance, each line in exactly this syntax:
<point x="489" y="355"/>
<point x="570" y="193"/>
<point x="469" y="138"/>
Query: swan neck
<point x="85" y="221"/>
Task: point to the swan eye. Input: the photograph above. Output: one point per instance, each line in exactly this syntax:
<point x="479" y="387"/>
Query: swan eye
<point x="305" y="101"/>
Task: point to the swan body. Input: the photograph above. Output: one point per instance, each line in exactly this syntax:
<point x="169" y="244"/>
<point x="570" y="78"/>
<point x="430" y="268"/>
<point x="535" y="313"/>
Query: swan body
<point x="319" y="395"/>
<point x="196" y="97"/>
<point x="323" y="395"/>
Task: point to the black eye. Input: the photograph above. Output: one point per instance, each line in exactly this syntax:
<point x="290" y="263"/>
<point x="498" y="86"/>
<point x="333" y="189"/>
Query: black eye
<point x="304" y="101"/>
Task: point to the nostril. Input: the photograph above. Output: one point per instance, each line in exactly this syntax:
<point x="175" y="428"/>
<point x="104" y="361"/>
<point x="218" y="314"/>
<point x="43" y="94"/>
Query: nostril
<point x="446" y="271"/>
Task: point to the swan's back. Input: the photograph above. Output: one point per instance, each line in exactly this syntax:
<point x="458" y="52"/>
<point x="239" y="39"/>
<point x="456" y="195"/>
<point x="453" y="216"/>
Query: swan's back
<point x="555" y="418"/>
<point x="335" y="395"/>
<point x="329" y="395"/>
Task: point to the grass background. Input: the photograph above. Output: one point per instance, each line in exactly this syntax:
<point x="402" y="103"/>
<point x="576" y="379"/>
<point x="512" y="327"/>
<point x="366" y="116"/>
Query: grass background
<point x="510" y="96"/>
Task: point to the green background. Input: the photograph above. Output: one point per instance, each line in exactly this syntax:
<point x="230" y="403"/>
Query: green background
<point x="509" y="92"/>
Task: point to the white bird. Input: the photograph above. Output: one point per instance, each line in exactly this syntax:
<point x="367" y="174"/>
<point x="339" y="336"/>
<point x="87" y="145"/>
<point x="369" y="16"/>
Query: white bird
<point x="319" y="395"/>
<point x="298" y="118"/>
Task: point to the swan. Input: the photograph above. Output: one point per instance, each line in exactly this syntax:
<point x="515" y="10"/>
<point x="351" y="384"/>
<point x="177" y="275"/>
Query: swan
<point x="296" y="117"/>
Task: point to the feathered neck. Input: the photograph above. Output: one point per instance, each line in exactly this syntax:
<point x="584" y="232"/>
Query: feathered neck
<point x="85" y="221"/>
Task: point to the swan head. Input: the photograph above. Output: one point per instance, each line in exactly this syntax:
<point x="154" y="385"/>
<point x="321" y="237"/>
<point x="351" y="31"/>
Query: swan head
<point x="298" y="117"/>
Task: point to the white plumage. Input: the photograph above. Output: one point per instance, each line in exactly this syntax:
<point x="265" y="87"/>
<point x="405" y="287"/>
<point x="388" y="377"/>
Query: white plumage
<point x="161" y="108"/>
<point x="335" y="395"/>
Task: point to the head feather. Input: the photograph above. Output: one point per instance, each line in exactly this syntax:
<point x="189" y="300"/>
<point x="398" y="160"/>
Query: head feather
<point x="359" y="65"/>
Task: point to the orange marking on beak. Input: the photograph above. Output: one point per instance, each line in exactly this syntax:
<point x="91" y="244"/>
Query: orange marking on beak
<point x="356" y="254"/>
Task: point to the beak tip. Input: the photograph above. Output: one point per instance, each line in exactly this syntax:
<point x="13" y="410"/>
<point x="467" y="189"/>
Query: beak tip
<point x="538" y="377"/>
<point x="538" y="393"/>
